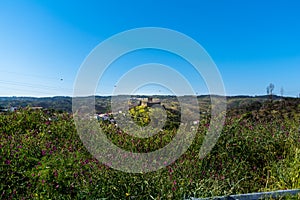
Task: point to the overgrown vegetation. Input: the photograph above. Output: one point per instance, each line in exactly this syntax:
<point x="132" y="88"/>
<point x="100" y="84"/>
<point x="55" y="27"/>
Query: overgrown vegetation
<point x="42" y="157"/>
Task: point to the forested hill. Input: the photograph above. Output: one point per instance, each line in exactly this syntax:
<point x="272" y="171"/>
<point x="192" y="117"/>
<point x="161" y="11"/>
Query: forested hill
<point x="64" y="103"/>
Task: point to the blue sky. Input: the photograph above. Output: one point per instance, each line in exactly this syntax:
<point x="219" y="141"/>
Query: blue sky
<point x="253" y="43"/>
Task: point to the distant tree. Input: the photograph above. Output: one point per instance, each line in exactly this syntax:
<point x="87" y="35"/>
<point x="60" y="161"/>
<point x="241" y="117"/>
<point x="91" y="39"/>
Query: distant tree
<point x="281" y="91"/>
<point x="270" y="89"/>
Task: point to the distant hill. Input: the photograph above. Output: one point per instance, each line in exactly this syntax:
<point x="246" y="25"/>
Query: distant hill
<point x="64" y="103"/>
<point x="57" y="103"/>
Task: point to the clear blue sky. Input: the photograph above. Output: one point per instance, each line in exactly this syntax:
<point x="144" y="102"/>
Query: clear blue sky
<point x="253" y="43"/>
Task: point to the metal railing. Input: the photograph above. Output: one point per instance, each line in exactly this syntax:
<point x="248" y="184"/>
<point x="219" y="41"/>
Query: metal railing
<point x="254" y="196"/>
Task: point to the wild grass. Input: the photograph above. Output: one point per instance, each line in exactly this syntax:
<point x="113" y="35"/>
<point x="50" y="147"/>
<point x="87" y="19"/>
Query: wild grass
<point x="42" y="157"/>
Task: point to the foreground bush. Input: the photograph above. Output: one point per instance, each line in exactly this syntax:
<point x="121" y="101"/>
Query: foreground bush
<point x="42" y="157"/>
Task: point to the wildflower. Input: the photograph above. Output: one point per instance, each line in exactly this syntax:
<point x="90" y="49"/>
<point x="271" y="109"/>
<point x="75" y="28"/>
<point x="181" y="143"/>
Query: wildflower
<point x="8" y="162"/>
<point x="43" y="152"/>
<point x="174" y="182"/>
<point x="287" y="134"/>
<point x="173" y="188"/>
<point x="127" y="194"/>
<point x="75" y="175"/>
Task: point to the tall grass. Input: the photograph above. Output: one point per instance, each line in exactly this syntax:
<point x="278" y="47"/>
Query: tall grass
<point x="42" y="157"/>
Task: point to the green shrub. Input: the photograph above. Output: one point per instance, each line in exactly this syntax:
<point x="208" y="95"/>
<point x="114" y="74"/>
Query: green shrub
<point x="42" y="157"/>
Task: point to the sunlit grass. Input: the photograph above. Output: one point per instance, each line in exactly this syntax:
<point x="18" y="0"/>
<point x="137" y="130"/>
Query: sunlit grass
<point x="43" y="157"/>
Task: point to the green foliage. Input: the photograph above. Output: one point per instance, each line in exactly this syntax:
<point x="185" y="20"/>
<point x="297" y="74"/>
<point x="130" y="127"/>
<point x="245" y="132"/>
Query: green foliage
<point x="140" y="115"/>
<point x="42" y="157"/>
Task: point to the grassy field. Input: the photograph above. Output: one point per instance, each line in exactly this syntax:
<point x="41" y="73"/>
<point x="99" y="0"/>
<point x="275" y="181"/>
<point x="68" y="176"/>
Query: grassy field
<point x="42" y="157"/>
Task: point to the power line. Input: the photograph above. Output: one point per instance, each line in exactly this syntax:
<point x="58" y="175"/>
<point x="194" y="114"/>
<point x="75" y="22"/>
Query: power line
<point x="35" y="86"/>
<point x="35" y="76"/>
<point x="26" y="90"/>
